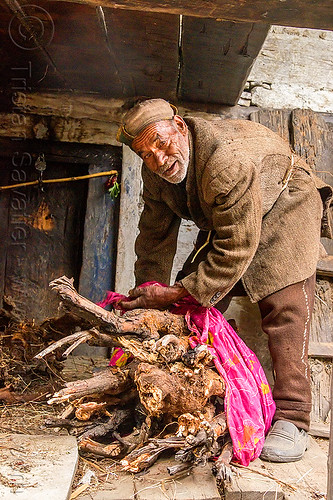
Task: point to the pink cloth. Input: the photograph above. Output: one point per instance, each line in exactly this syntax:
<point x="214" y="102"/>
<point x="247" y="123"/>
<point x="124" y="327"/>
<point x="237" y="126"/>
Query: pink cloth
<point x="249" y="404"/>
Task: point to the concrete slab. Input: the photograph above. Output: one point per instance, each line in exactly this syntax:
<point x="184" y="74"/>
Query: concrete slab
<point x="121" y="487"/>
<point x="307" y="478"/>
<point x="156" y="484"/>
<point x="37" y="467"/>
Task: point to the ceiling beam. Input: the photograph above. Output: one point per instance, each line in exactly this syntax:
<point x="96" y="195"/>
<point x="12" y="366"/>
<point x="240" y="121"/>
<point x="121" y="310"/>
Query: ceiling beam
<point x="92" y="108"/>
<point x="24" y="126"/>
<point x="217" y="57"/>
<point x="301" y="13"/>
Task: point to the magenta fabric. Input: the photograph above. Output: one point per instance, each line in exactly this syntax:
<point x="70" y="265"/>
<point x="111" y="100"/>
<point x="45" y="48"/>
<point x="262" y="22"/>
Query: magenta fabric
<point x="249" y="404"/>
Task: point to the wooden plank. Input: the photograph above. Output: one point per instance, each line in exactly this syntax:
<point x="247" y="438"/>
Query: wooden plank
<point x="275" y="119"/>
<point x="59" y="129"/>
<point x="100" y="235"/>
<point x="217" y="57"/>
<point x="310" y="139"/>
<point x="199" y="484"/>
<point x="321" y="349"/>
<point x="330" y="453"/>
<point x="129" y="214"/>
<point x="26" y="31"/>
<point x="325" y="266"/>
<point x="302" y="13"/>
<point x="319" y="429"/>
<point x="322" y="317"/>
<point x="99" y="243"/>
<point x="320" y="375"/>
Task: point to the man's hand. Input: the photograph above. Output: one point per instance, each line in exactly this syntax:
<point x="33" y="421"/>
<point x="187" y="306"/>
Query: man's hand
<point x="154" y="297"/>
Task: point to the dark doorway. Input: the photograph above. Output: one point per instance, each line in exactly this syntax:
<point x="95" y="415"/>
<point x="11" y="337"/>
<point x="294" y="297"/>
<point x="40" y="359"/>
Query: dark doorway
<point x="41" y="233"/>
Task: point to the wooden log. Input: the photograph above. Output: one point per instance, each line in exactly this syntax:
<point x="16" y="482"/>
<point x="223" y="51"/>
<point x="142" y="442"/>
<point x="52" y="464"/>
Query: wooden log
<point x="172" y="393"/>
<point x="179" y="468"/>
<point x="111" y="381"/>
<point x="86" y="410"/>
<point x="144" y="457"/>
<point x="118" y="417"/>
<point x="118" y="449"/>
<point x="65" y="423"/>
<point x="198" y="356"/>
<point x="95" y="108"/>
<point x="112" y="450"/>
<point x="147" y="323"/>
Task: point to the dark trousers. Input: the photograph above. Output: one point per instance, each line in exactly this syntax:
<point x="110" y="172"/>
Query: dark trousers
<point x="286" y="316"/>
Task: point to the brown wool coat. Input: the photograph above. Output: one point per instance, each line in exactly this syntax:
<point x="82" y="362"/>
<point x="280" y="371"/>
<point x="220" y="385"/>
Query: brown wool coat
<point x="262" y="234"/>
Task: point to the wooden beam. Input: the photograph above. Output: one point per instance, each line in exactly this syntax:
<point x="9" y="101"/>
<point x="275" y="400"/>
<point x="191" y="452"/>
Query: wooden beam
<point x="94" y="107"/>
<point x="216" y="58"/>
<point x="301" y="13"/>
<point x="70" y="105"/>
<point x="23" y="126"/>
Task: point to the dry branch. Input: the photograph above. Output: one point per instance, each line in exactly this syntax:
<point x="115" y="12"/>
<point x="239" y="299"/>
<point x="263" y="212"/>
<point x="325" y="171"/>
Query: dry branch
<point x="111" y="381"/>
<point x="144" y="457"/>
<point x="117" y="418"/>
<point x="144" y="323"/>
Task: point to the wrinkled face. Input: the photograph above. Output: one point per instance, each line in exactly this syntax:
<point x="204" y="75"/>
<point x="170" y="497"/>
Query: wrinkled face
<point x="164" y="148"/>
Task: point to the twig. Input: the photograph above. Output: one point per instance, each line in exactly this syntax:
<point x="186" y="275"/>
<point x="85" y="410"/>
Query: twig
<point x="305" y="474"/>
<point x="83" y="335"/>
<point x="94" y="465"/>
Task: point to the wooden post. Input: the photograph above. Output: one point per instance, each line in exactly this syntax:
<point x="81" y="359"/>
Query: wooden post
<point x="129" y="214"/>
<point x="98" y="260"/>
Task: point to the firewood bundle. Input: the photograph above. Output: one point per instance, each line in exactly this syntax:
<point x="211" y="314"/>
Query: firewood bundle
<point x="167" y="396"/>
<point x="22" y="377"/>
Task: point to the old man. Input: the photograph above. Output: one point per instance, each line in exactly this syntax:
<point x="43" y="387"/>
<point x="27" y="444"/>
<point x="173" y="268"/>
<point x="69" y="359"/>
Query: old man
<point x="260" y="211"/>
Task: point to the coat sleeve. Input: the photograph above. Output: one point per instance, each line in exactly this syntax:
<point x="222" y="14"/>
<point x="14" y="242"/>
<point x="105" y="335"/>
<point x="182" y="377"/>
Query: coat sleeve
<point x="234" y="195"/>
<point x="156" y="243"/>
